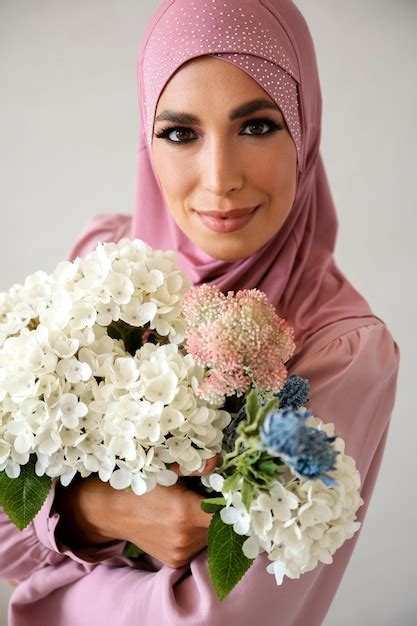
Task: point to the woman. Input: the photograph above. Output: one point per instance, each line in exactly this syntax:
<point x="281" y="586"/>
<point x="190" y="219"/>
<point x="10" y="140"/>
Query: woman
<point x="241" y="194"/>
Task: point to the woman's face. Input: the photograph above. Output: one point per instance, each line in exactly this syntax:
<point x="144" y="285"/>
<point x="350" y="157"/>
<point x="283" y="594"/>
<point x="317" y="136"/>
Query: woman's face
<point x="221" y="161"/>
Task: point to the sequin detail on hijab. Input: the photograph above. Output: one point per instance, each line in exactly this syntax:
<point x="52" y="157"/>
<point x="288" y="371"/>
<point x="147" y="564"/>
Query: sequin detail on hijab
<point x="218" y="28"/>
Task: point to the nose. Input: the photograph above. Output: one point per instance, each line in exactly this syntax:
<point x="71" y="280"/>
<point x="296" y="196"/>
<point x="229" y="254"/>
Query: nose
<point x="221" y="169"/>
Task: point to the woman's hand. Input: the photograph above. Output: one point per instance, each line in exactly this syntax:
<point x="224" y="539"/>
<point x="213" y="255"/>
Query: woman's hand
<point x="166" y="522"/>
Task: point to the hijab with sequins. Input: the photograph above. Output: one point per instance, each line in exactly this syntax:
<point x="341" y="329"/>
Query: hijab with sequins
<point x="270" y="40"/>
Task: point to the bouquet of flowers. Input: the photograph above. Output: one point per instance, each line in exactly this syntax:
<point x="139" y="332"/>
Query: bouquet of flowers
<point x="114" y="365"/>
<point x="93" y="378"/>
<point x="285" y="486"/>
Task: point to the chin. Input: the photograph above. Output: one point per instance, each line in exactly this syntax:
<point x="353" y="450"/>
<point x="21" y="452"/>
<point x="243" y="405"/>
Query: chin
<point x="227" y="255"/>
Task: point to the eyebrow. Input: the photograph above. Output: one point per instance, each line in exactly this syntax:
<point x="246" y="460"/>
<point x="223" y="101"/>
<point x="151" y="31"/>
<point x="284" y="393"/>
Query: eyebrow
<point x="241" y="111"/>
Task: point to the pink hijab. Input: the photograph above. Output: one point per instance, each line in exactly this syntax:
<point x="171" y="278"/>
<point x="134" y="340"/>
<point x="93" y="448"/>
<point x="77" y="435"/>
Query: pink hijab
<point x="296" y="268"/>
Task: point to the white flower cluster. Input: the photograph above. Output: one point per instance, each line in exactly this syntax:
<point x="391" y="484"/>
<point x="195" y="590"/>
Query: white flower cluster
<point x="75" y="397"/>
<point x="300" y="521"/>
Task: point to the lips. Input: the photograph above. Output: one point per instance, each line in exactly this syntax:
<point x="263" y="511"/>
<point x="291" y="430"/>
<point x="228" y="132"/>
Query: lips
<point x="227" y="221"/>
<point x="228" y="214"/>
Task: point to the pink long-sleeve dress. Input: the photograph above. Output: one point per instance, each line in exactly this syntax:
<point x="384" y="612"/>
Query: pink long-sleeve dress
<point x="353" y="378"/>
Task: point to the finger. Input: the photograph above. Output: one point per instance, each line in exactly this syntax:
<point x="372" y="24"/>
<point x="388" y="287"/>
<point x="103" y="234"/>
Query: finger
<point x="197" y="516"/>
<point x="192" y="550"/>
<point x="207" y="467"/>
<point x="176" y="469"/>
<point x="211" y="464"/>
<point x="199" y="543"/>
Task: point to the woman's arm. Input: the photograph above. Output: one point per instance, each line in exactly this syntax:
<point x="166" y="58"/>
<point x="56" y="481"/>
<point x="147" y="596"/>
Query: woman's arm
<point x="167" y="522"/>
<point x="89" y="522"/>
<point x="353" y="384"/>
<point x="24" y="552"/>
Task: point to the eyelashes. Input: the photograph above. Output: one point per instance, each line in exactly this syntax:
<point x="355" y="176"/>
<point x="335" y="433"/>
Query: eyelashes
<point x="165" y="133"/>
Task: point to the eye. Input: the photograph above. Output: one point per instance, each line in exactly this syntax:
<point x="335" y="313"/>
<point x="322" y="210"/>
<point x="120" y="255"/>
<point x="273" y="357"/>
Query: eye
<point x="258" y="123"/>
<point x="179" y="131"/>
<point x="165" y="133"/>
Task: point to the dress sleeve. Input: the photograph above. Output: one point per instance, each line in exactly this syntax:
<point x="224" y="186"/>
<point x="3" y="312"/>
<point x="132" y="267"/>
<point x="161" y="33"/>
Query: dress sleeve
<point x="25" y="552"/>
<point x="353" y="384"/>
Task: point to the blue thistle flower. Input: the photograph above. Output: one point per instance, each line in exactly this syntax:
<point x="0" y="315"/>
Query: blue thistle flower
<point x="307" y="449"/>
<point x="295" y="392"/>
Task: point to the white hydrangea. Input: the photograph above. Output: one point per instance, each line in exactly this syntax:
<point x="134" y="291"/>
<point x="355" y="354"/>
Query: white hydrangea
<point x="299" y="522"/>
<point x="74" y="396"/>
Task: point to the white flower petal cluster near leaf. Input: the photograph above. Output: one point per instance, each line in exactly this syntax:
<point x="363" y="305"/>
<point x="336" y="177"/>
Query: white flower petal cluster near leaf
<point x="75" y="397"/>
<point x="299" y="522"/>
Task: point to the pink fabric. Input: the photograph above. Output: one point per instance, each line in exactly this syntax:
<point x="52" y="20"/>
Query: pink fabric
<point x="353" y="376"/>
<point x="296" y="268"/>
<point x="346" y="352"/>
<point x="225" y="27"/>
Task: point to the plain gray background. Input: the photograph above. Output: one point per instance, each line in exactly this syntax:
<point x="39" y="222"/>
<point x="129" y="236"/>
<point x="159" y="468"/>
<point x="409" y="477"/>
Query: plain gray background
<point x="68" y="129"/>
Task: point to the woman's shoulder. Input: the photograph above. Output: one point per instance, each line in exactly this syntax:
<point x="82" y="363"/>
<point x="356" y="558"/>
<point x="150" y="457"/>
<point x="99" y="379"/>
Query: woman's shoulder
<point x="107" y="227"/>
<point x="352" y="371"/>
<point x="357" y="348"/>
<point x="362" y="332"/>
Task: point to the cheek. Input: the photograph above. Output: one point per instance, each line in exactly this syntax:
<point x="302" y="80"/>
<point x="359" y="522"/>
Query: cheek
<point x="174" y="175"/>
<point x="283" y="180"/>
<point x="278" y="182"/>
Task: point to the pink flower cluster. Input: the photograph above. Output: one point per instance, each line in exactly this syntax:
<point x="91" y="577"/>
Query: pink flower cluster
<point x="239" y="338"/>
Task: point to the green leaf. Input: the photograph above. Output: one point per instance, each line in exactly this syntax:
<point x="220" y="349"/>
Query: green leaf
<point x="269" y="467"/>
<point x="132" y="551"/>
<point x="211" y="505"/>
<point x="251" y="405"/>
<point x="231" y="482"/>
<point x="267" y="408"/>
<point x="247" y="493"/>
<point x="22" y="497"/>
<point x="227" y="563"/>
<point x="261" y="414"/>
<point x="257" y="475"/>
<point x="250" y="459"/>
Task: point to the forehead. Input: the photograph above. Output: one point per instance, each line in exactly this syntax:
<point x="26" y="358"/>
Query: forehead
<point x="207" y="79"/>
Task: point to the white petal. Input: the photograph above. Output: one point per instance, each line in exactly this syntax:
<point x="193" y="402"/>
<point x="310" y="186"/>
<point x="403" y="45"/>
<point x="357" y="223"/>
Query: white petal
<point x="67" y="478"/>
<point x="139" y="485"/>
<point x="250" y="547"/>
<point x="120" y="479"/>
<point x="229" y="515"/>
<point x="129" y="450"/>
<point x="40" y="468"/>
<point x="81" y="409"/>
<point x="325" y="557"/>
<point x="106" y="469"/>
<point x="70" y="421"/>
<point x="216" y="481"/>
<point x="166" y="478"/>
<point x="162" y="388"/>
<point x="146" y="313"/>
<point x="22" y="443"/>
<point x="4" y="451"/>
<point x="277" y="568"/>
<point x="91" y="463"/>
<point x="48" y="446"/>
<point x="170" y="419"/>
<point x="242" y="525"/>
<point x="12" y="469"/>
